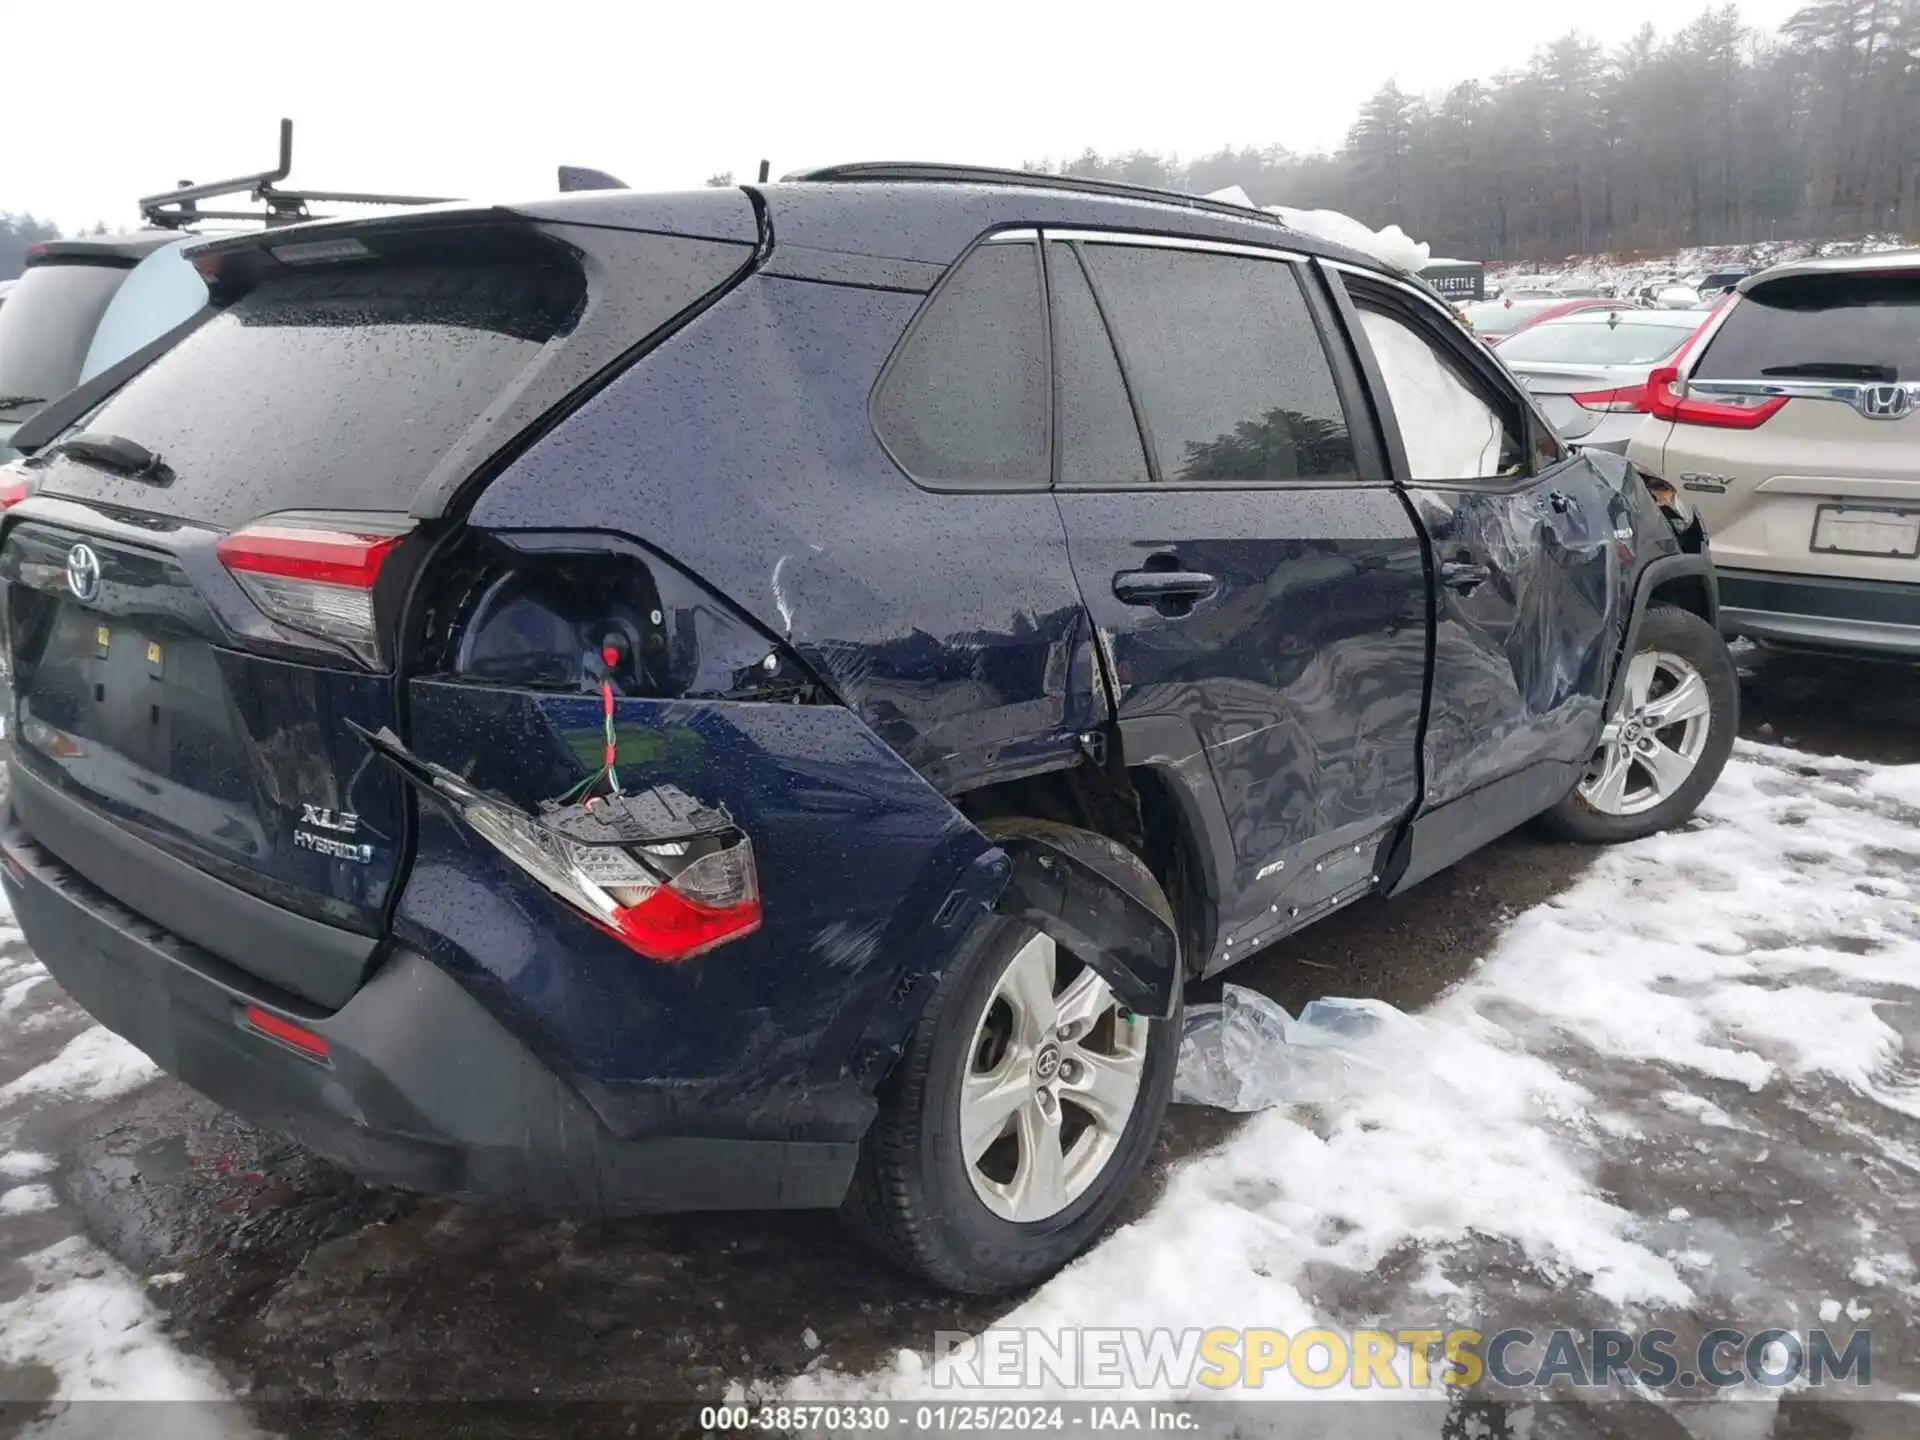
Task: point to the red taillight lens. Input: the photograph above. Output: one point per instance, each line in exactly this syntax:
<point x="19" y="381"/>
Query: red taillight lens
<point x="1627" y="399"/>
<point x="285" y="1031"/>
<point x="669" y="925"/>
<point x="1667" y="399"/>
<point x="15" y="485"/>
<point x="313" y="580"/>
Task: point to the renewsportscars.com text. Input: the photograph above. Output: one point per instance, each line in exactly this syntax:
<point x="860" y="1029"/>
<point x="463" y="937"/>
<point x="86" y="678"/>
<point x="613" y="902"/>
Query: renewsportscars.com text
<point x="1224" y="1359"/>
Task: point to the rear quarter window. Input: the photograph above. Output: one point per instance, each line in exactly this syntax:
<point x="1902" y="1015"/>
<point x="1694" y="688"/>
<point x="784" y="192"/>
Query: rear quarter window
<point x="964" y="400"/>
<point x="1851" y="327"/>
<point x="159" y="293"/>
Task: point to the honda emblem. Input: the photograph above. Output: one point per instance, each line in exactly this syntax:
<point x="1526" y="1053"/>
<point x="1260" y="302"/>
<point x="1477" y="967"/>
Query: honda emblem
<point x="1885" y="402"/>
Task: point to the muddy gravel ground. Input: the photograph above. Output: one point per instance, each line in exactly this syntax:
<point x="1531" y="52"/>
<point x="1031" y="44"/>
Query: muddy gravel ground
<point x="301" y="1284"/>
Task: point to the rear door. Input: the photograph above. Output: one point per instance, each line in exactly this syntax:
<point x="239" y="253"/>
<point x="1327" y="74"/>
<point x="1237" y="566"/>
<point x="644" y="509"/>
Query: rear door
<point x="1528" y="562"/>
<point x="1799" y="441"/>
<point x="203" y="596"/>
<point x="1250" y="571"/>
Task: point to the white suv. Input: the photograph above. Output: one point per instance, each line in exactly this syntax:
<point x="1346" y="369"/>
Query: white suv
<point x="1793" y="426"/>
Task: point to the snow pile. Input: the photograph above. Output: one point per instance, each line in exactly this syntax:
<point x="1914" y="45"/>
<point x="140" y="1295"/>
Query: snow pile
<point x="86" y="1319"/>
<point x="1749" y="956"/>
<point x="95" y="1065"/>
<point x="1390" y="246"/>
<point x="1621" y="275"/>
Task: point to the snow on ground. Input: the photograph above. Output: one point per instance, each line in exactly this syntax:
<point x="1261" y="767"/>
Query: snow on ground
<point x="93" y="1326"/>
<point x="1685" y="1087"/>
<point x="1623" y="275"/>
<point x="75" y="1312"/>
<point x="95" y="1065"/>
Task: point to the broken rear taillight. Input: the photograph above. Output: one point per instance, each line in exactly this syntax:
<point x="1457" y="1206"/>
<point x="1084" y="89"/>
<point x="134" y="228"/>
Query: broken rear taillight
<point x="313" y="579"/>
<point x="668" y="876"/>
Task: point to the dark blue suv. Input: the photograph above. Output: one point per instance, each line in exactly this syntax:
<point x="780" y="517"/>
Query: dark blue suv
<point x="761" y="697"/>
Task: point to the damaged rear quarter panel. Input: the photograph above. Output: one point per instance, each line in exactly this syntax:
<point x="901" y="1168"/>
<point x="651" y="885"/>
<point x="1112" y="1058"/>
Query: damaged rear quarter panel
<point x="950" y="623"/>
<point x="859" y="863"/>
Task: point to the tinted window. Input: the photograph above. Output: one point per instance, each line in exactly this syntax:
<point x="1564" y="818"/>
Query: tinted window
<point x="160" y="292"/>
<point x="1099" y="441"/>
<point x="1849" y="327"/>
<point x="1449" y="428"/>
<point x="338" y="389"/>
<point x="1227" y="365"/>
<point x="965" y="399"/>
<point x="1583" y="342"/>
<point x="47" y="325"/>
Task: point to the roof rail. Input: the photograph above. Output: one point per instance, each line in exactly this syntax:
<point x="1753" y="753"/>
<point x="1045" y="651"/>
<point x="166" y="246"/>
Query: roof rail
<point x="914" y="172"/>
<point x="180" y="207"/>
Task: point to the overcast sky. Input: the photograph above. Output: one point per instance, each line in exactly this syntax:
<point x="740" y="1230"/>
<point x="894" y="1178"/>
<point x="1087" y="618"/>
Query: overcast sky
<point x="110" y="100"/>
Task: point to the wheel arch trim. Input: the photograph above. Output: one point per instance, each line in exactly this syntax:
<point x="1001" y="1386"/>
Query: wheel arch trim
<point x="1094" y="896"/>
<point x="1659" y="573"/>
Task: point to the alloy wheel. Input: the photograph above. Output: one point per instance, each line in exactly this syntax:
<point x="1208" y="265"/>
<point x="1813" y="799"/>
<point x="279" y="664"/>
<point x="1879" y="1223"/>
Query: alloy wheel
<point x="1053" y="1075"/>
<point x="1653" y="744"/>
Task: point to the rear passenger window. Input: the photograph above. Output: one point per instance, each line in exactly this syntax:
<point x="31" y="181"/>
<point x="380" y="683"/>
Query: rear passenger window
<point x="965" y="399"/>
<point x="1451" y="431"/>
<point x="1227" y="366"/>
<point x="1099" y="441"/>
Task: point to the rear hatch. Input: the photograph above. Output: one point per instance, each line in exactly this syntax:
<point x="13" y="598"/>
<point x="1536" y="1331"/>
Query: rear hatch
<point x="205" y="594"/>
<point x="1797" y="431"/>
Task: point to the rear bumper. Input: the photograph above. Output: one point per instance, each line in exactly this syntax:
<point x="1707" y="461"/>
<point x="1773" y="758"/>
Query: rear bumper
<point x="1815" y="612"/>
<point x="1612" y="434"/>
<point x="422" y="1088"/>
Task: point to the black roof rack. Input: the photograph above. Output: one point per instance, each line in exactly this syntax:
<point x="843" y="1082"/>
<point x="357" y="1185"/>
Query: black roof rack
<point x="178" y="208"/>
<point x="914" y="172"/>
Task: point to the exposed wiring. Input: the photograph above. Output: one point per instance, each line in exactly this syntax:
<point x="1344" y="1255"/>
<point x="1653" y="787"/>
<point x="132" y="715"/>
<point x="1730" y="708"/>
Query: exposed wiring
<point x="609" y="769"/>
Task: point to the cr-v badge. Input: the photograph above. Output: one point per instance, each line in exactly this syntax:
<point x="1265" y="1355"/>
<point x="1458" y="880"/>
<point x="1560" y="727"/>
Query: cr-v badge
<point x="83" y="572"/>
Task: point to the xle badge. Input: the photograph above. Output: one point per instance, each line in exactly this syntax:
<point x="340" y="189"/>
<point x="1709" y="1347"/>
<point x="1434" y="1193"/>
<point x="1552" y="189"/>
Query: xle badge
<point x="341" y="823"/>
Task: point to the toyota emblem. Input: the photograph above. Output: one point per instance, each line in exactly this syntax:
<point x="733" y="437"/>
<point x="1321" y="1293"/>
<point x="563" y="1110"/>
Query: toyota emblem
<point x="83" y="573"/>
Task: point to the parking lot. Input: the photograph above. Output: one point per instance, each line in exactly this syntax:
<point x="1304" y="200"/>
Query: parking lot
<point x="1764" y="1173"/>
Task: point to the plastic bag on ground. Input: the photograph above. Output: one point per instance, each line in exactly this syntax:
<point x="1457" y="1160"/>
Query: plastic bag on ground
<point x="1247" y="1053"/>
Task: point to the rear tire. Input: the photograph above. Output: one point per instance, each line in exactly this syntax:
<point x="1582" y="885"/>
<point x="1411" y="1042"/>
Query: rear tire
<point x="1673" y="731"/>
<point x="1020" y="1207"/>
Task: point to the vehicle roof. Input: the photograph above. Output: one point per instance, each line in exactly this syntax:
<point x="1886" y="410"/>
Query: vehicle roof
<point x="1634" y="313"/>
<point x="1901" y="260"/>
<point x="107" y="249"/>
<point x="931" y="213"/>
<point x="928" y="214"/>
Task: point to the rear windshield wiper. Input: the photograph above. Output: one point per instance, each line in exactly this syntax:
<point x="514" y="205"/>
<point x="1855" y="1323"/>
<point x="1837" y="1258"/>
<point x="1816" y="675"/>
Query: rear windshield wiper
<point x="7" y="402"/>
<point x="113" y="452"/>
<point x="1838" y="369"/>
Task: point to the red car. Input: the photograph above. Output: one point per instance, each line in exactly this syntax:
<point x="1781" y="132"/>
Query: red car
<point x="1494" y="320"/>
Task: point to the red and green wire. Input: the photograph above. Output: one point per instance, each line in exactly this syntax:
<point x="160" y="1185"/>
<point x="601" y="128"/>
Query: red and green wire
<point x="608" y="770"/>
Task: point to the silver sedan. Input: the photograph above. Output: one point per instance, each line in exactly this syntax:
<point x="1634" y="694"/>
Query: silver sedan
<point x="1589" y="370"/>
